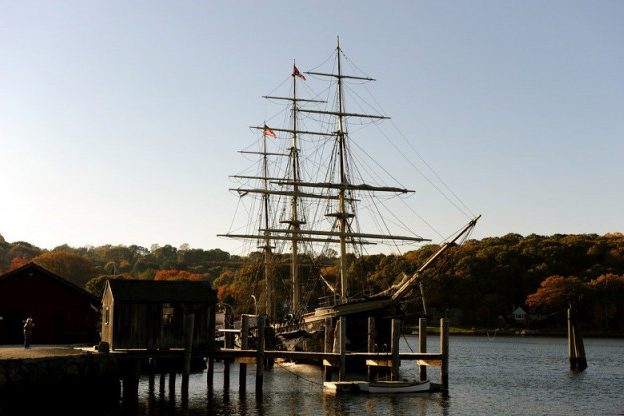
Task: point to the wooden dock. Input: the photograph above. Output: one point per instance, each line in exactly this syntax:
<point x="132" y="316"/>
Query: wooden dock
<point x="129" y="365"/>
<point x="376" y="362"/>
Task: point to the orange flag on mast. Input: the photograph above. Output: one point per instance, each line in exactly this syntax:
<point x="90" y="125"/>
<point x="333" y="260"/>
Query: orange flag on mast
<point x="296" y="73"/>
<point x="268" y="132"/>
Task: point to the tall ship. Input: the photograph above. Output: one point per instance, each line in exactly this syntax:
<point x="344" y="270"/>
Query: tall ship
<point x="314" y="205"/>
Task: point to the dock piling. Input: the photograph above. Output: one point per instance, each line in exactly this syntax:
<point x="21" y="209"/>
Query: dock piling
<point x="371" y="347"/>
<point x="189" y="329"/>
<point x="161" y="385"/>
<point x="242" y="375"/>
<point x="172" y="383"/>
<point x="260" y="356"/>
<point x="210" y="374"/>
<point x="342" y="348"/>
<point x="576" y="349"/>
<point x="422" y="345"/>
<point x="394" y="347"/>
<point x="228" y="342"/>
<point x="327" y="369"/>
<point x="444" y="350"/>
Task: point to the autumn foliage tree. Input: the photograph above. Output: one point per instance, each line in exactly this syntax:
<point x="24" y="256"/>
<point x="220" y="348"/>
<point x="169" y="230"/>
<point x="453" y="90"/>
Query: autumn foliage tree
<point x="17" y="249"/>
<point x="556" y="292"/>
<point x="17" y="262"/>
<point x="479" y="279"/>
<point x="73" y="267"/>
<point x="173" y="274"/>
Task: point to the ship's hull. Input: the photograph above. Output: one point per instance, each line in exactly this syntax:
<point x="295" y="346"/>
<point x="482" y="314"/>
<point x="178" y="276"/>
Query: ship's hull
<point x="309" y="334"/>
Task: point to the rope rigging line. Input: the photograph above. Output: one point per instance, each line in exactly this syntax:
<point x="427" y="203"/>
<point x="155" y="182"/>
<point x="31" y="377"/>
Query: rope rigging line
<point x="399" y="221"/>
<point x="298" y="375"/>
<point x="458" y="201"/>
<point x="407" y="342"/>
<point x="466" y="211"/>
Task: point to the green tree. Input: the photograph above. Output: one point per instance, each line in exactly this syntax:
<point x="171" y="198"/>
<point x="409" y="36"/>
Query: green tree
<point x="608" y="305"/>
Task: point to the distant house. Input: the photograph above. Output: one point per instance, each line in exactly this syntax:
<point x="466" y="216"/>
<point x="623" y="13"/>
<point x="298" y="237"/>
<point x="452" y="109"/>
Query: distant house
<point x="62" y="312"/>
<point x="148" y="314"/>
<point x="519" y="314"/>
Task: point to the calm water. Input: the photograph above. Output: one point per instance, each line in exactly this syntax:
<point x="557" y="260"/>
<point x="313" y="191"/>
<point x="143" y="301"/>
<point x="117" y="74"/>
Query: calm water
<point x="498" y="376"/>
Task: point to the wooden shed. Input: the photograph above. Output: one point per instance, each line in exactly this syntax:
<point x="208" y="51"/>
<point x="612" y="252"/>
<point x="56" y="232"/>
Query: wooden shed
<point x="148" y="314"/>
<point x="63" y="313"/>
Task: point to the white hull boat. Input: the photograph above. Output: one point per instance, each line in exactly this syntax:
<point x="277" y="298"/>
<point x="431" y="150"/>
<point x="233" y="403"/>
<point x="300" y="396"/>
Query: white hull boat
<point x="396" y="386"/>
<point x="377" y="386"/>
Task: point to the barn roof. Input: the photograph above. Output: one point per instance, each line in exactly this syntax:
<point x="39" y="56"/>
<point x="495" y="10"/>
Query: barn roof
<point x="30" y="267"/>
<point x="160" y="291"/>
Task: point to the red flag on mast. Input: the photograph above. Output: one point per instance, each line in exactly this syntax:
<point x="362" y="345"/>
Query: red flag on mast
<point x="268" y="132"/>
<point x="296" y="73"/>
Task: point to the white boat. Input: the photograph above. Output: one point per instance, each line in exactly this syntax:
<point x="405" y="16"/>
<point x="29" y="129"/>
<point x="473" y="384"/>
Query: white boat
<point x="382" y="386"/>
<point x="335" y="387"/>
<point x="400" y="386"/>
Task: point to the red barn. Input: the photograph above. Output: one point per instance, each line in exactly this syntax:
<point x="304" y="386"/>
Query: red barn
<point x="63" y="313"/>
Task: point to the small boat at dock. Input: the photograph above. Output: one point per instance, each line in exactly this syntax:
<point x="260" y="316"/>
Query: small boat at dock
<point x="335" y="387"/>
<point x="380" y="386"/>
<point x="399" y="386"/>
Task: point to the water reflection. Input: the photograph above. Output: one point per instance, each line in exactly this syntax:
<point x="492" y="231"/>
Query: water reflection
<point x="88" y="398"/>
<point x="289" y="389"/>
<point x="486" y="377"/>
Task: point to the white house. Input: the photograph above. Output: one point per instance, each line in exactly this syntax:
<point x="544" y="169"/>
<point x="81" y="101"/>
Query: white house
<point x="519" y="314"/>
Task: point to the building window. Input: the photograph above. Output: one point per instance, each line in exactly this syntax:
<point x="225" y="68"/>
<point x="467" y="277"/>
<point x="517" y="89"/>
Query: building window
<point x="107" y="316"/>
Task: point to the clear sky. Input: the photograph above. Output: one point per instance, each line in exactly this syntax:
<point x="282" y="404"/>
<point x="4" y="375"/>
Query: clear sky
<point x="120" y="121"/>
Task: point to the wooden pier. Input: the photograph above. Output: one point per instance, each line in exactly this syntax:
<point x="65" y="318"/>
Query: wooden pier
<point x="377" y="362"/>
<point x="127" y="366"/>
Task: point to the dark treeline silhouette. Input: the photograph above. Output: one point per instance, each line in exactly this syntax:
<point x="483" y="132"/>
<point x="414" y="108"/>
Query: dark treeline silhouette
<point x="478" y="284"/>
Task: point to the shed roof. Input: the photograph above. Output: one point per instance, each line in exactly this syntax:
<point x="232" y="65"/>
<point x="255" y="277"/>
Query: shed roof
<point x="160" y="291"/>
<point x="34" y="267"/>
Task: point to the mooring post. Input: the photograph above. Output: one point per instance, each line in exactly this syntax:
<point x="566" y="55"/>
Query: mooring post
<point x="342" y="347"/>
<point x="444" y="350"/>
<point x="371" y="346"/>
<point x="394" y="347"/>
<point x="189" y="328"/>
<point x="260" y="356"/>
<point x="422" y="345"/>
<point x="328" y="347"/>
<point x="576" y="349"/>
<point x="161" y="386"/>
<point x="242" y="375"/>
<point x="150" y="375"/>
<point x="210" y="375"/>
<point x="172" y="383"/>
<point x="571" y="351"/>
<point x="151" y="392"/>
<point x="580" y="350"/>
<point x="130" y="382"/>
<point x="228" y="342"/>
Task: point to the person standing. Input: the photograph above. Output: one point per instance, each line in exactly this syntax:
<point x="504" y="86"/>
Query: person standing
<point x="28" y="330"/>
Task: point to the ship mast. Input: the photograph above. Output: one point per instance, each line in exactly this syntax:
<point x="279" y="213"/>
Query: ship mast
<point x="342" y="212"/>
<point x="342" y="215"/>
<point x="295" y="224"/>
<point x="339" y="189"/>
<point x="268" y="279"/>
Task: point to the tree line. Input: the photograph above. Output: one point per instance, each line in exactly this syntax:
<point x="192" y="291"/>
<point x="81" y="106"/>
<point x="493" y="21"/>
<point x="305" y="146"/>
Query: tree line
<point x="479" y="282"/>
